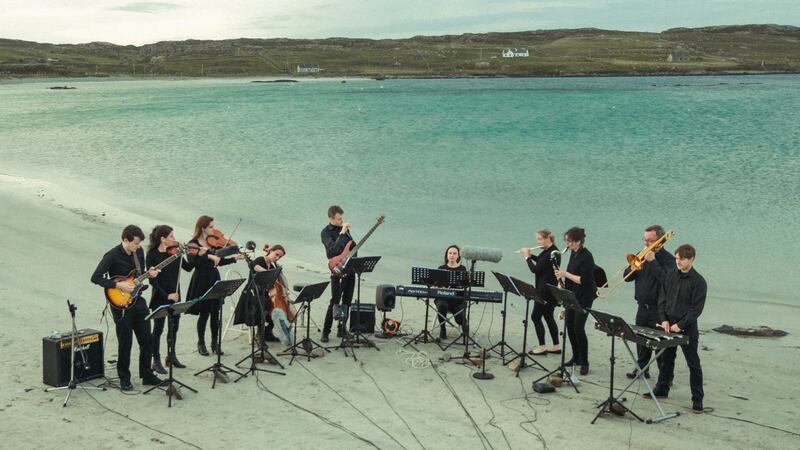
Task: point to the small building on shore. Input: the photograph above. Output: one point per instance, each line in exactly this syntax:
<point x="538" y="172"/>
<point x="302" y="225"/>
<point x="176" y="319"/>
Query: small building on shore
<point x="678" y="57"/>
<point x="308" y="68"/>
<point x="515" y="53"/>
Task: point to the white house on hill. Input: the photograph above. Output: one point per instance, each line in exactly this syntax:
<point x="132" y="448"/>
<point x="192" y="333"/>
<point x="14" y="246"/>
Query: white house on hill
<point x="515" y="53"/>
<point x="307" y="68"/>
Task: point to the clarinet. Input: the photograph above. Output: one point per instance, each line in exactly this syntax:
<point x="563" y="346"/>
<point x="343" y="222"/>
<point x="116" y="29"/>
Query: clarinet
<point x="555" y="266"/>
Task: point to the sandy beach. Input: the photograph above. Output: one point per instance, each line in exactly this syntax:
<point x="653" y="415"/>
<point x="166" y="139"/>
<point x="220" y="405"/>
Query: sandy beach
<point x="393" y="398"/>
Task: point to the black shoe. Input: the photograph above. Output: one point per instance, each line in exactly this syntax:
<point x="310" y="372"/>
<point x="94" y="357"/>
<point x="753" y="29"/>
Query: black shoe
<point x="659" y="393"/>
<point x="270" y="337"/>
<point x="151" y="380"/>
<point x="584" y="369"/>
<point x="632" y="374"/>
<point x="125" y="385"/>
<point x="201" y="348"/>
<point x="442" y="334"/>
<point x="570" y="363"/>
<point x="697" y="408"/>
<point x="325" y="337"/>
<point x="157" y="367"/>
<point x="216" y="350"/>
<point x="339" y="333"/>
<point x="173" y="361"/>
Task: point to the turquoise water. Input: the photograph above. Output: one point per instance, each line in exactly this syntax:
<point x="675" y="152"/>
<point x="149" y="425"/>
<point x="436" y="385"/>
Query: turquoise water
<point x="483" y="162"/>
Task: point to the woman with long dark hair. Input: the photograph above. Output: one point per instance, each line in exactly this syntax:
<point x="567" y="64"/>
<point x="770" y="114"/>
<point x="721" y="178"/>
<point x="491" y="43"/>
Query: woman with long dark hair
<point x="542" y="267"/>
<point x="204" y="263"/>
<point x="166" y="290"/>
<point x="579" y="278"/>
<point x="456" y="307"/>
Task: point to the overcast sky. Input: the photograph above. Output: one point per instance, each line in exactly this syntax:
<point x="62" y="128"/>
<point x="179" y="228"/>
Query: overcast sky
<point x="142" y="22"/>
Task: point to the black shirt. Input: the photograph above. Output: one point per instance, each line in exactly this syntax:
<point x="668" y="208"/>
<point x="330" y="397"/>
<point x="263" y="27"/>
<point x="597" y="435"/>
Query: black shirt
<point x="458" y="268"/>
<point x="581" y="263"/>
<point x="334" y="241"/>
<point x="116" y="262"/>
<point x="167" y="280"/>
<point x="682" y="298"/>
<point x="542" y="267"/>
<point x="650" y="277"/>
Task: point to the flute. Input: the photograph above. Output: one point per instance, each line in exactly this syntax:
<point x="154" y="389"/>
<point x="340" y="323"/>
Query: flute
<point x="532" y="248"/>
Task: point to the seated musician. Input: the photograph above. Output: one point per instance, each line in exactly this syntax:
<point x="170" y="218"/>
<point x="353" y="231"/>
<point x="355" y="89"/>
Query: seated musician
<point x="261" y="264"/>
<point x="456" y="307"/>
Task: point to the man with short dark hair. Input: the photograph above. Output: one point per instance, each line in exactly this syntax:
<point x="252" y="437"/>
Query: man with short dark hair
<point x="335" y="237"/>
<point x="647" y="285"/>
<point x="680" y="304"/>
<point x="120" y="261"/>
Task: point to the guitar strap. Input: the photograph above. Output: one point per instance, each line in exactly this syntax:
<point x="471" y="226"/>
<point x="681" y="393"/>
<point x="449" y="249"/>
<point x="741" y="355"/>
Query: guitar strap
<point x="136" y="263"/>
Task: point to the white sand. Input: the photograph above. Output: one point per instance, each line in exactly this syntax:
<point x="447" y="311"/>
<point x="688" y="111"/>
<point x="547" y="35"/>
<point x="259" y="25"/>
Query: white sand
<point x="52" y="240"/>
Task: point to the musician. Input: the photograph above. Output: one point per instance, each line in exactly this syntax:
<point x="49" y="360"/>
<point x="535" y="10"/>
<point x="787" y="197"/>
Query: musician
<point x="542" y="266"/>
<point x="262" y="264"/>
<point x="578" y="278"/>
<point x="165" y="292"/>
<point x="335" y="237"/>
<point x="680" y="303"/>
<point x="120" y="261"/>
<point x="204" y="264"/>
<point x="647" y="284"/>
<point x="456" y="307"/>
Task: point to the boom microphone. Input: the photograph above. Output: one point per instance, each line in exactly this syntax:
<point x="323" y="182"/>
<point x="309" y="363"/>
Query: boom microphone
<point x="482" y="254"/>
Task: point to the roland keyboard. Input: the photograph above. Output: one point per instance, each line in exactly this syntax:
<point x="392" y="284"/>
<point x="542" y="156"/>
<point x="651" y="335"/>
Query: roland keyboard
<point x="448" y="293"/>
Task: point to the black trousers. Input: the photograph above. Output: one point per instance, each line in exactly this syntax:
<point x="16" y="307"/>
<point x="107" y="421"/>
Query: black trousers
<point x="127" y="323"/>
<point x="158" y="329"/>
<point x="576" y="330"/>
<point x="455" y="307"/>
<point x="646" y="316"/>
<point x="667" y="365"/>
<point x="544" y="312"/>
<point x="202" y="320"/>
<point x="341" y="291"/>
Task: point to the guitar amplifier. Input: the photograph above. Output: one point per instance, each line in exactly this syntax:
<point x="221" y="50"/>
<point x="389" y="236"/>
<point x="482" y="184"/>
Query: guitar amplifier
<point x="55" y="357"/>
<point x="365" y="317"/>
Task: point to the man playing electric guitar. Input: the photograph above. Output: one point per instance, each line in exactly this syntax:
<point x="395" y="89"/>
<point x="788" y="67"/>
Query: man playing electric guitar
<point x="335" y="237"/>
<point x="119" y="262"/>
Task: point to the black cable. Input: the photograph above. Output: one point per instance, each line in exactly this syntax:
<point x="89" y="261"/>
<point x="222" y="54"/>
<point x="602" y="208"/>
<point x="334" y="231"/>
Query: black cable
<point x="491" y="420"/>
<point x="386" y="399"/>
<point x="351" y="404"/>
<point x="264" y="388"/>
<point x="478" y="431"/>
<point x="140" y="423"/>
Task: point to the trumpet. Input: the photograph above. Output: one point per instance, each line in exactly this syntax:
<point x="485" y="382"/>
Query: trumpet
<point x="635" y="263"/>
<point x="532" y="248"/>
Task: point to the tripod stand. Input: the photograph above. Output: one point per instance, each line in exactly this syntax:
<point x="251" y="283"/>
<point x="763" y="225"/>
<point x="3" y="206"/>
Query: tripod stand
<point x="508" y="287"/>
<point x="74" y="383"/>
<point x="566" y="299"/>
<point x="219" y="291"/>
<point x="170" y="312"/>
<point x="261" y="282"/>
<point x="308" y="294"/>
<point x="358" y="266"/>
<point x="467" y="279"/>
<point x="428" y="277"/>
<point x="529" y="293"/>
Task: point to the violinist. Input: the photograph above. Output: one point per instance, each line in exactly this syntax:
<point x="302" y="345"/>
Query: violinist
<point x="165" y="291"/>
<point x="202" y="260"/>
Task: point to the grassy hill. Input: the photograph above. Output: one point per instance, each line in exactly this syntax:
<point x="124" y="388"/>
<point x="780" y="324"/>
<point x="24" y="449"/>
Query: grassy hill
<point x="590" y="51"/>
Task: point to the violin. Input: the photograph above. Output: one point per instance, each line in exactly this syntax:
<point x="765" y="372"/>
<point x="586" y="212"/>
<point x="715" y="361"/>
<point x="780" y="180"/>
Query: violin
<point x="217" y="240"/>
<point x="173" y="249"/>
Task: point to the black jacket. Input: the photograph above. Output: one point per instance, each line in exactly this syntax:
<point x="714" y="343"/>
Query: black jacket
<point x="581" y="263"/>
<point x="682" y="298"/>
<point x="334" y="241"/>
<point x="117" y="263"/>
<point x="166" y="282"/>
<point x="542" y="267"/>
<point x="650" y="277"/>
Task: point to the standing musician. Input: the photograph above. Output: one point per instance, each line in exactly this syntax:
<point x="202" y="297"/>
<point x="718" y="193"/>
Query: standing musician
<point x="456" y="307"/>
<point x="204" y="263"/>
<point x="165" y="291"/>
<point x="335" y="237"/>
<point x="647" y="285"/>
<point x="543" y="267"/>
<point x="680" y="304"/>
<point x="120" y="261"/>
<point x="579" y="278"/>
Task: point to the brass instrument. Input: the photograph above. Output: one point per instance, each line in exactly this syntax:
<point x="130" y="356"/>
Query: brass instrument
<point x="635" y="263"/>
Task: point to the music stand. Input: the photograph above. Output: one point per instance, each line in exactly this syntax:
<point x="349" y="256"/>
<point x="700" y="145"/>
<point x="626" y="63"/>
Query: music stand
<point x="308" y="294"/>
<point x="565" y="298"/>
<point x="428" y="277"/>
<point x="358" y="266"/>
<point x="508" y="287"/>
<point x="219" y="291"/>
<point x="262" y="282"/>
<point x="466" y="279"/>
<point x="170" y="311"/>
<point x="615" y="326"/>
<point x="529" y="293"/>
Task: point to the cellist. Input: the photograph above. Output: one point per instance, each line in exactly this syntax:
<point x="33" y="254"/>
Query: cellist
<point x="277" y="294"/>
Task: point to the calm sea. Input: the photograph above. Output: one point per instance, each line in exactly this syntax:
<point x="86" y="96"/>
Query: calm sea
<point x="483" y="162"/>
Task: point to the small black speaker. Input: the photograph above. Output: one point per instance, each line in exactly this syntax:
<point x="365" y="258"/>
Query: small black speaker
<point x="385" y="297"/>
<point x="362" y="319"/>
<point x="55" y="357"/>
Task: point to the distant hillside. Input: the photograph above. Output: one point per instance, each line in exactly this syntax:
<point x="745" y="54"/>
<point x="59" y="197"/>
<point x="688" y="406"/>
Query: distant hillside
<point x="589" y="51"/>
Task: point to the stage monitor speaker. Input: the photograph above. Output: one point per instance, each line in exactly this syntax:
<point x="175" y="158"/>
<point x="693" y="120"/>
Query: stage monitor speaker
<point x="366" y="318"/>
<point x="55" y="357"/>
<point x="385" y="297"/>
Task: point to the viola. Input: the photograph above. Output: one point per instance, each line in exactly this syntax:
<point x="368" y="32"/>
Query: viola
<point x="218" y="240"/>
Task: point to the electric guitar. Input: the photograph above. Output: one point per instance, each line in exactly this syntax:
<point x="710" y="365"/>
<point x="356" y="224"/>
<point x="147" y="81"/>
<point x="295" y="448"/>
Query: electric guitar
<point x="337" y="263"/>
<point x="123" y="300"/>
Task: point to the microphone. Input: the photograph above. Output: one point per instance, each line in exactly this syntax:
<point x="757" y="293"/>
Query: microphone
<point x="250" y="245"/>
<point x="482" y="253"/>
